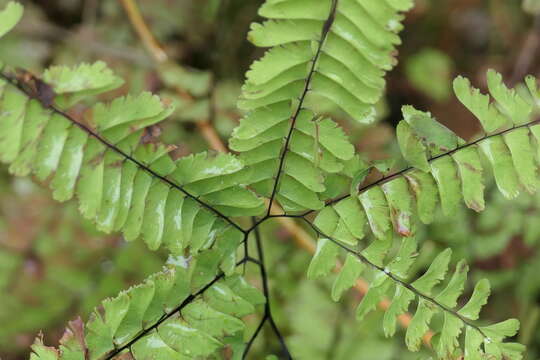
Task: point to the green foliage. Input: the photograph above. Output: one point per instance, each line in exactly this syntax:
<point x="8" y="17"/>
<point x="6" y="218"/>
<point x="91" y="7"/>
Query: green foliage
<point x="10" y="16"/>
<point x="321" y="51"/>
<point x="150" y="312"/>
<point x="430" y="304"/>
<point x="125" y="180"/>
<point x="443" y="168"/>
<point x="438" y="156"/>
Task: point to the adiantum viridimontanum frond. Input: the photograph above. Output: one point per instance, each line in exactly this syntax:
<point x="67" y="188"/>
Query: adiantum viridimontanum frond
<point x="320" y="52"/>
<point x="446" y="169"/>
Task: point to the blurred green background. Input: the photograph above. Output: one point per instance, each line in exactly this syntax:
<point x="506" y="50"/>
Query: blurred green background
<point x="54" y="266"/>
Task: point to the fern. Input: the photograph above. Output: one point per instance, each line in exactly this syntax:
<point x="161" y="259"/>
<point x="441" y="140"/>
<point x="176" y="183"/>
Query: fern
<point x="334" y="51"/>
<point x="445" y="168"/>
<point x="174" y="324"/>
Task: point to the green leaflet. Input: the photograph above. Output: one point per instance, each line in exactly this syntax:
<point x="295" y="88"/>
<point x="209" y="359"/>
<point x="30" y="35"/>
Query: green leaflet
<point x="497" y="333"/>
<point x="217" y="180"/>
<point x="376" y="208"/>
<point x="479" y="104"/>
<point x="345" y="221"/>
<point x="69" y="165"/>
<point x="519" y="144"/>
<point x="437" y="138"/>
<point x="419" y="325"/>
<point x="471" y="171"/>
<point x="471" y="310"/>
<point x="532" y="86"/>
<point x="357" y="180"/>
<point x="140" y="111"/>
<point x="350" y="211"/>
<point x="377" y="290"/>
<point x="403" y="260"/>
<point x="204" y="318"/>
<point x="411" y="147"/>
<point x="513" y="351"/>
<point x="449" y="295"/>
<point x="500" y="158"/>
<point x="435" y="273"/>
<point x="509" y="101"/>
<point x="324" y="259"/>
<point x="74" y="84"/>
<point x="227" y="301"/>
<point x="347" y="277"/>
<point x="400" y="203"/>
<point x="535" y="131"/>
<point x="377" y="251"/>
<point x="425" y="191"/>
<point x="473" y="341"/>
<point x="199" y="331"/>
<point x="153" y="346"/>
<point x="400" y="305"/>
<point x="446" y="175"/>
<point x="448" y="340"/>
<point x="42" y="352"/>
<point x="399" y="267"/>
<point x="10" y="16"/>
<point x="13" y="111"/>
<point x="246" y="291"/>
<point x="32" y="128"/>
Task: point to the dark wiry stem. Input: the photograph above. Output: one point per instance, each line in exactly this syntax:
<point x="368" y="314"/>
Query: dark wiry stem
<point x="267" y="316"/>
<point x="254" y="336"/>
<point x="324" y="33"/>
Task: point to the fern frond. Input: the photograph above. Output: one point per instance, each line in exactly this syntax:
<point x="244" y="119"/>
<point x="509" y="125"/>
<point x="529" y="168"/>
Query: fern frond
<point x="186" y="311"/>
<point x="334" y="51"/>
<point x="444" y="167"/>
<point x="329" y="50"/>
<point x="123" y="178"/>
<point x="392" y="277"/>
<point x="358" y="39"/>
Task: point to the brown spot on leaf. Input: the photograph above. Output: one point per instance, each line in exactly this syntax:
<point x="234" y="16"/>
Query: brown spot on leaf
<point x="35" y="87"/>
<point x="117" y="164"/>
<point x="471" y="167"/>
<point x="151" y="134"/>
<point x="97" y="159"/>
